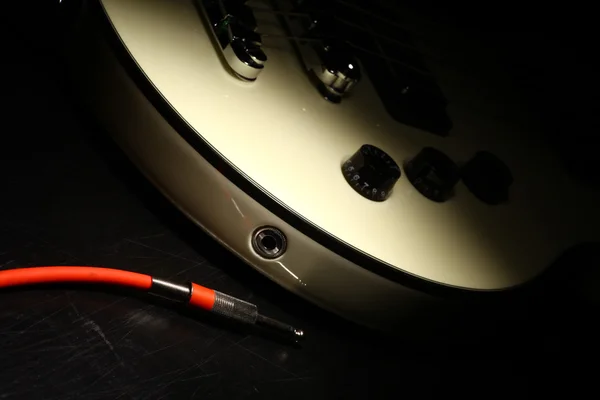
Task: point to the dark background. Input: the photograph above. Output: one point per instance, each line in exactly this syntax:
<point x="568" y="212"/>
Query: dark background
<point x="68" y="197"/>
<point x="548" y="50"/>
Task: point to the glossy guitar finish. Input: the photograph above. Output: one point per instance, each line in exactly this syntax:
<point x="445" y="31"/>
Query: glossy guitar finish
<point x="236" y="156"/>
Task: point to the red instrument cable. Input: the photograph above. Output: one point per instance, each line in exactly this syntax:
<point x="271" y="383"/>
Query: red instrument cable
<point x="191" y="293"/>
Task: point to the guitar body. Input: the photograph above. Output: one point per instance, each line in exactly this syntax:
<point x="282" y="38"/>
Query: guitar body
<point x="262" y="163"/>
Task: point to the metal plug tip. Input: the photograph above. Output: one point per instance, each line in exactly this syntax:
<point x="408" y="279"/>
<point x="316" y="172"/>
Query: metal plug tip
<point x="281" y="327"/>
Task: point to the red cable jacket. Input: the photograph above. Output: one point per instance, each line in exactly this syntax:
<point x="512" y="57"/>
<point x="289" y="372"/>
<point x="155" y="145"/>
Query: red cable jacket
<point x="32" y="276"/>
<point x="202" y="297"/>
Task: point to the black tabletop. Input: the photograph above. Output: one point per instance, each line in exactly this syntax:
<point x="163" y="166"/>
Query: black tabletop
<point x="69" y="197"/>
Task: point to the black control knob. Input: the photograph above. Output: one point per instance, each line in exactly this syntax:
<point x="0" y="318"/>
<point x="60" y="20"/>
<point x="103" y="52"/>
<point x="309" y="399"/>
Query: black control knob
<point x="339" y="70"/>
<point x="371" y="172"/>
<point x="244" y="53"/>
<point x="433" y="174"/>
<point x="487" y="177"/>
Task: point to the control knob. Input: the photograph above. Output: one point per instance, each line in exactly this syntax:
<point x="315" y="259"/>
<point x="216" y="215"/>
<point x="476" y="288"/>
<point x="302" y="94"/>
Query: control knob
<point x="487" y="177"/>
<point x="371" y="173"/>
<point x="433" y="174"/>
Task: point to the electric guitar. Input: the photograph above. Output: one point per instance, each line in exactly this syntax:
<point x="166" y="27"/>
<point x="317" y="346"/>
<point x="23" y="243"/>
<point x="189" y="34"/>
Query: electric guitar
<point x="326" y="148"/>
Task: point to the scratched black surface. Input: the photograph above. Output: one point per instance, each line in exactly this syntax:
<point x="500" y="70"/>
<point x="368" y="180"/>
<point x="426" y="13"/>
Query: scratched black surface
<point x="69" y="197"/>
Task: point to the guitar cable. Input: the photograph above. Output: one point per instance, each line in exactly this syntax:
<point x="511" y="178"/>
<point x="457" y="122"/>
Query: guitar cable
<point x="189" y="293"/>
